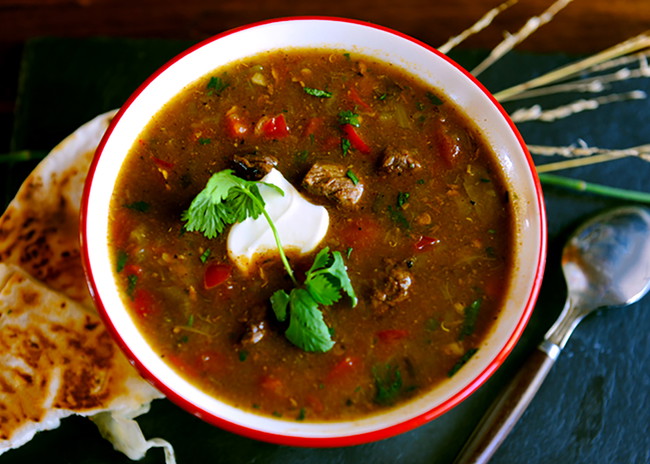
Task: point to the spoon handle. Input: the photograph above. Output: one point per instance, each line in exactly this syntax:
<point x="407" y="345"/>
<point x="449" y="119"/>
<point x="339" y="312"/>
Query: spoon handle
<point x="504" y="413"/>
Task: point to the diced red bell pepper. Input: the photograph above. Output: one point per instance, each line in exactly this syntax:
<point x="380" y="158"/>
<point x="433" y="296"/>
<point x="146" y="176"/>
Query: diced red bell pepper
<point x="216" y="274"/>
<point x="392" y="335"/>
<point x="271" y="384"/>
<point x="162" y="164"/>
<point x="312" y="126"/>
<point x="359" y="233"/>
<point x="448" y="148"/>
<point x="144" y="303"/>
<point x="355" y="139"/>
<point x="357" y="100"/>
<point x="342" y="369"/>
<point x="274" y="127"/>
<point x="425" y="243"/>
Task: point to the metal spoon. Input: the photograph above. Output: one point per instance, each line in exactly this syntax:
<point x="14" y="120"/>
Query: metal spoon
<point x="606" y="262"/>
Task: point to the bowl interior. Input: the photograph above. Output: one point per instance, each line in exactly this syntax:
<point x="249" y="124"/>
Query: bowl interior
<point x="355" y="37"/>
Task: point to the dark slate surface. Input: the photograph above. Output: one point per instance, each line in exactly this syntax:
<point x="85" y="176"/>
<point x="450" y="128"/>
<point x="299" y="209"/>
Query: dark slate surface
<point x="593" y="408"/>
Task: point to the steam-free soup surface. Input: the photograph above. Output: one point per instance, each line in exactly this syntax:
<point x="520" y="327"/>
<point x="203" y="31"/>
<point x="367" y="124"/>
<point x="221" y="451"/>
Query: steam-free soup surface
<point x="418" y="210"/>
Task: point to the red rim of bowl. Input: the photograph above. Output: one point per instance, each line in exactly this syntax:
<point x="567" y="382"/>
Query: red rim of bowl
<point x="346" y="440"/>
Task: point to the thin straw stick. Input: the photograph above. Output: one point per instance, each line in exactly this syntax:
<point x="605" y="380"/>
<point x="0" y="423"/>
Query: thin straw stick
<point x="481" y="24"/>
<point x="512" y="40"/>
<point x="577" y="162"/>
<point x="635" y="44"/>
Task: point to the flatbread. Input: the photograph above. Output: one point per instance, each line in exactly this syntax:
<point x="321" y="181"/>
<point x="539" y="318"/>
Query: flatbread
<point x="56" y="357"/>
<point x="57" y="360"/>
<point x="39" y="231"/>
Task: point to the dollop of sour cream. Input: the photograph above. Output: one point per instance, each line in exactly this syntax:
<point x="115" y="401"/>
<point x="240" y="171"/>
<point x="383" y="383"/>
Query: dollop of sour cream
<point x="300" y="224"/>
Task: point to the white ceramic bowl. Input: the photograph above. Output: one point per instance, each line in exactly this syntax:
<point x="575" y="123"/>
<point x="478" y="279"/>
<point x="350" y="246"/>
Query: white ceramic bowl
<point x="355" y="36"/>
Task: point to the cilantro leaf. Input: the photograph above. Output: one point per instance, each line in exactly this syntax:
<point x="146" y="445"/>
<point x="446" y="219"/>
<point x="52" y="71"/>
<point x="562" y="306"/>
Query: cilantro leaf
<point x="388" y="384"/>
<point x="471" y="315"/>
<point x="334" y="269"/>
<point x="216" y="85"/>
<point x="307" y="329"/>
<point x="349" y="117"/>
<point x="323" y="289"/>
<point x="317" y="92"/>
<point x="279" y="303"/>
<point x="226" y="199"/>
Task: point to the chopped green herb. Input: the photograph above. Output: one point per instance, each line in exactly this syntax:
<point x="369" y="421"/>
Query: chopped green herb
<point x="122" y="257"/>
<point x="419" y="106"/>
<point x="346" y="55"/>
<point x="190" y="320"/>
<point x="382" y="97"/>
<point x="184" y="339"/>
<point x="345" y="146"/>
<point x="402" y="198"/>
<point x="397" y="215"/>
<point x="216" y="85"/>
<point x="324" y="282"/>
<point x="301" y="414"/>
<point x="317" y="92"/>
<point x="491" y="231"/>
<point x="141" y="206"/>
<point x="485" y="180"/>
<point x="132" y="281"/>
<point x="462" y="361"/>
<point x="348" y="252"/>
<point x="432" y="324"/>
<point x="353" y="177"/>
<point x="420" y="181"/>
<point x="205" y="141"/>
<point x="276" y="414"/>
<point x="388" y="384"/>
<point x="243" y="354"/>
<point x="225" y="200"/>
<point x="434" y="99"/>
<point x="302" y="154"/>
<point x="469" y="322"/>
<point x="490" y="252"/>
<point x="206" y="254"/>
<point x="349" y="117"/>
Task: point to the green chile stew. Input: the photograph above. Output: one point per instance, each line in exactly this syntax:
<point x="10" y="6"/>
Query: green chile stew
<point x="419" y="212"/>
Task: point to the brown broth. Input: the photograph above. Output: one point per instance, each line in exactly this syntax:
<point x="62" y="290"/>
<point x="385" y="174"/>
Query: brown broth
<point x="381" y="358"/>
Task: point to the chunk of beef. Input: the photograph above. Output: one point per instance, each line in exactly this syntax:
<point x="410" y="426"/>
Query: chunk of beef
<point x="254" y="326"/>
<point x="332" y="182"/>
<point x="254" y="166"/>
<point x="253" y="333"/>
<point x="393" y="287"/>
<point x="396" y="161"/>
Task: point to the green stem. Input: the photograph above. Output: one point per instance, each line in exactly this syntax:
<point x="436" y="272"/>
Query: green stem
<point x="276" y="236"/>
<point x="597" y="189"/>
<point x="22" y="155"/>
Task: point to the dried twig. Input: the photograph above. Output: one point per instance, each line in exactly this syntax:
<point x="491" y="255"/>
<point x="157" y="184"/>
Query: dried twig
<point x="536" y="113"/>
<point x="512" y="40"/>
<point x="481" y="24"/>
<point x="635" y="44"/>
<point x="584" y="155"/>
<point x="587" y="85"/>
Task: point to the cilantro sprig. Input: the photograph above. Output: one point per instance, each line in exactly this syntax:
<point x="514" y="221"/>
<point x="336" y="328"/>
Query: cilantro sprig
<point x="324" y="284"/>
<point x="228" y="199"/>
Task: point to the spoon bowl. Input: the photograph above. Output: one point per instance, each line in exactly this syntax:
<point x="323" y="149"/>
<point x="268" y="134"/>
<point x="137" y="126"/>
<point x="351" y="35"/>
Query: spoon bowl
<point x="606" y="263"/>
